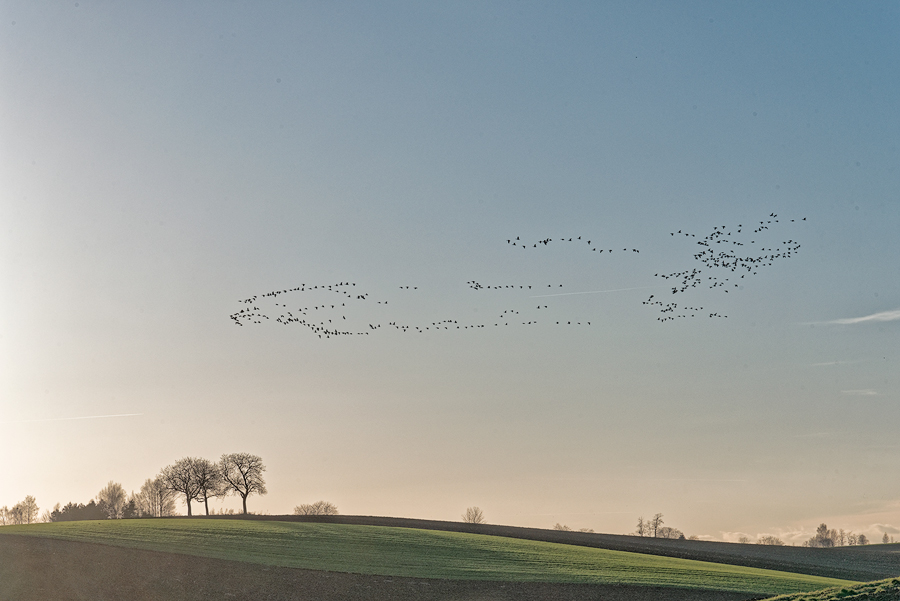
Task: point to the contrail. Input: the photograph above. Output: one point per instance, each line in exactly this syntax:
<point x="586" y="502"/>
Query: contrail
<point x="883" y="316"/>
<point x="60" y="419"/>
<point x="593" y="291"/>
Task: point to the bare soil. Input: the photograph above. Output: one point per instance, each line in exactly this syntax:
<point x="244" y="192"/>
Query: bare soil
<point x="40" y="569"/>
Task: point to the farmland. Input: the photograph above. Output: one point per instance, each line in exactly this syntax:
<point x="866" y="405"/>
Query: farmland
<point x="420" y="554"/>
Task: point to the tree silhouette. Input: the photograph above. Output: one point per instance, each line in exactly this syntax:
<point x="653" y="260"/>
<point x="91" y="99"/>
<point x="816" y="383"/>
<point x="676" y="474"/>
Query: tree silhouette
<point x="242" y="473"/>
<point x="181" y="477"/>
<point x="473" y="515"/>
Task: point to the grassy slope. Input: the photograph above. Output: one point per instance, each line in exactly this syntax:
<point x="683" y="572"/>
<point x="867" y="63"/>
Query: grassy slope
<point x="420" y="553"/>
<point x="857" y="563"/>
<point x="880" y="590"/>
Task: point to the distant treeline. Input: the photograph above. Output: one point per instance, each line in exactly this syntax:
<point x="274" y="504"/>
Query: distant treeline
<point x="197" y="479"/>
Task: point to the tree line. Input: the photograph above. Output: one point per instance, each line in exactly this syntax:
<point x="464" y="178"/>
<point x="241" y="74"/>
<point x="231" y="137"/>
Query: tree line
<point x="193" y="478"/>
<point x="23" y="512"/>
<point x="823" y="537"/>
<point x="835" y="538"/>
<point x="654" y="528"/>
<point x="200" y="479"/>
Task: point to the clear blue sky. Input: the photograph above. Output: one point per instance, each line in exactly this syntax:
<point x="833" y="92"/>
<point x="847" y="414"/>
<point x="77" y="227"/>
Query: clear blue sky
<point x="159" y="162"/>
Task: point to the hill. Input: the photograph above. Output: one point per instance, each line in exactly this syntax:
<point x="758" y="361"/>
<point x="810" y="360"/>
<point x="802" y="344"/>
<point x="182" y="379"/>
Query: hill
<point x="860" y="563"/>
<point x="434" y="555"/>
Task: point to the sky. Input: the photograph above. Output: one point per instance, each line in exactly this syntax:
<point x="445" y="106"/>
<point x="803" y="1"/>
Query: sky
<point x="163" y="163"/>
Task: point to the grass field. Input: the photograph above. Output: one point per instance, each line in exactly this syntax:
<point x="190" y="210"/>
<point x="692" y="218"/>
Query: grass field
<point x="420" y="553"/>
<point x="881" y="590"/>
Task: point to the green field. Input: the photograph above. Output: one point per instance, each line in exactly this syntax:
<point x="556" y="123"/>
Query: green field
<point x="420" y="553"/>
<point x="880" y="590"/>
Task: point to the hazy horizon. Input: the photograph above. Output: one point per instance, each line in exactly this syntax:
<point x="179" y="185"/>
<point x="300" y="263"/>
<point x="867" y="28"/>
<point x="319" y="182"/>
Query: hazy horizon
<point x="161" y="164"/>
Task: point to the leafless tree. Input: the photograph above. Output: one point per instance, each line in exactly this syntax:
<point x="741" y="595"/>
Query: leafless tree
<point x="885" y="539"/>
<point x="23" y="512"/>
<point x="655" y="524"/>
<point x="473" y="515"/>
<point x="209" y="480"/>
<point x="559" y="526"/>
<point x="770" y="540"/>
<point x="826" y="538"/>
<point x="642" y="527"/>
<point x="242" y="473"/>
<point x="112" y="498"/>
<point x="744" y="539"/>
<point x="668" y="532"/>
<point x="180" y="477"/>
<point x="317" y="508"/>
<point x="14" y="515"/>
<point x="862" y="540"/>
<point x="29" y="510"/>
<point x="154" y="499"/>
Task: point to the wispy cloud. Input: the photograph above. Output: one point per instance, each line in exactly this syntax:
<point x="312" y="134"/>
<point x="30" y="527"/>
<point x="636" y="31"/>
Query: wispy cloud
<point x="888" y="528"/>
<point x="61" y="419"/>
<point x="734" y="537"/>
<point x="883" y="316"/>
<point x="861" y="392"/>
<point x="828" y="363"/>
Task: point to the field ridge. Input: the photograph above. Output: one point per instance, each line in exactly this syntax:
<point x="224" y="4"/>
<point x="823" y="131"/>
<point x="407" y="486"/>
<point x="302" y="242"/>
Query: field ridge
<point x="859" y="563"/>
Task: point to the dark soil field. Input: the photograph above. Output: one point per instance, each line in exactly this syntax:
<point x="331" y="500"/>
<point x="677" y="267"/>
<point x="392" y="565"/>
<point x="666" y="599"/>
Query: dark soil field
<point x="41" y="569"/>
<point x="869" y="562"/>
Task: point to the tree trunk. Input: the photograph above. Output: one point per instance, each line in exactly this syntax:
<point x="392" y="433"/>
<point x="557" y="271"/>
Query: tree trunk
<point x="206" y="503"/>
<point x="245" y="504"/>
<point x="188" y="504"/>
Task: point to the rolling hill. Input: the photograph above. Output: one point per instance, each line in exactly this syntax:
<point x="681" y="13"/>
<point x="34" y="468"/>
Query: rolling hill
<point x="386" y="552"/>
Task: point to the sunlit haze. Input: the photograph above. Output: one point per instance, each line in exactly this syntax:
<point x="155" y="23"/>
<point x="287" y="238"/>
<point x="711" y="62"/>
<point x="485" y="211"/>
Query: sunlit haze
<point x="164" y="166"/>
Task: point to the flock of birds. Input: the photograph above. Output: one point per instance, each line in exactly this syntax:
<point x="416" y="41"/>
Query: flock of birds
<point x="547" y="241"/>
<point x="725" y="263"/>
<point x="725" y="259"/>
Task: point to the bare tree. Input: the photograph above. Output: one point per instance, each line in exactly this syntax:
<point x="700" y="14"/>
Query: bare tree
<point x="23" y="512"/>
<point x="770" y="540"/>
<point x="655" y="524"/>
<point x="317" y="508"/>
<point x="242" y="473"/>
<point x="642" y="527"/>
<point x="14" y="515"/>
<point x="668" y="532"/>
<point x="885" y="539"/>
<point x="29" y="510"/>
<point x="862" y="540"/>
<point x="112" y="498"/>
<point x="559" y="526"/>
<point x="180" y="477"/>
<point x="744" y="539"/>
<point x="209" y="480"/>
<point x="473" y="515"/>
<point x="154" y="499"/>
